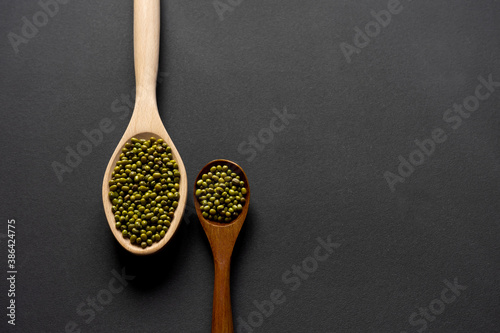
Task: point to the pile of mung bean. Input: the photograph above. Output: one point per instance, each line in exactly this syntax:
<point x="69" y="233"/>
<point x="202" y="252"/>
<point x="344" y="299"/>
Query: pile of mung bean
<point x="221" y="194"/>
<point x="144" y="190"/>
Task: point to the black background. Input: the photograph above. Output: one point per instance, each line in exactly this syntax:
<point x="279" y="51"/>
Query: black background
<point x="322" y="175"/>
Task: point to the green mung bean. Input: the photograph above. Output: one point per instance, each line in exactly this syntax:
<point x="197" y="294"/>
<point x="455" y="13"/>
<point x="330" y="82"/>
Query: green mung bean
<point x="144" y="190"/>
<point x="221" y="194"/>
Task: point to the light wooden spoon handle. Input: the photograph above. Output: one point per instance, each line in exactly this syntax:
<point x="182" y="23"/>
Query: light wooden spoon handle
<point x="222" y="316"/>
<point x="146" y="49"/>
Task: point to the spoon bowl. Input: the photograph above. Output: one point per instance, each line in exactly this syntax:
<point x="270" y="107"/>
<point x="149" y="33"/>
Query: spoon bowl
<point x="222" y="237"/>
<point x="145" y="122"/>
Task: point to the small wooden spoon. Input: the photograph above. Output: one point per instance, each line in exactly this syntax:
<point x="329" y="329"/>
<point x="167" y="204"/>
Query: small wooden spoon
<point x="145" y="121"/>
<point x="222" y="237"/>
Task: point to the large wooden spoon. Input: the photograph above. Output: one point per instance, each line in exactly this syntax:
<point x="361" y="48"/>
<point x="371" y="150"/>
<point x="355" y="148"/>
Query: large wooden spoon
<point x="145" y="121"/>
<point x="222" y="237"/>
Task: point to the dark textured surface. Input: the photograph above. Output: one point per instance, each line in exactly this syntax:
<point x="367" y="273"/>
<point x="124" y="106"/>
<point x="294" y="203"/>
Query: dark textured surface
<point x="322" y="175"/>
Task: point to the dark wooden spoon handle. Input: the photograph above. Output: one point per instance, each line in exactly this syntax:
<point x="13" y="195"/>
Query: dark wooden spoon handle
<point x="222" y="316"/>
